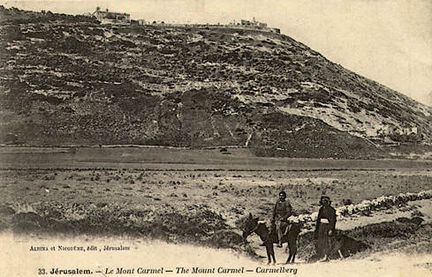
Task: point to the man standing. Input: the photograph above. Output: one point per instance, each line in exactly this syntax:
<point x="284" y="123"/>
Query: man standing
<point x="281" y="212"/>
<point x="325" y="227"/>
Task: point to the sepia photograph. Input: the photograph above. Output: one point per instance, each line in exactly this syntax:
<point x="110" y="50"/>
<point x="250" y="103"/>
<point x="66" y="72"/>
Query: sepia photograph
<point x="215" y="138"/>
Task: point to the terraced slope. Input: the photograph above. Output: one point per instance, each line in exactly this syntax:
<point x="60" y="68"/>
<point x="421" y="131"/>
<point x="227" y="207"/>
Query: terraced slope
<point x="69" y="80"/>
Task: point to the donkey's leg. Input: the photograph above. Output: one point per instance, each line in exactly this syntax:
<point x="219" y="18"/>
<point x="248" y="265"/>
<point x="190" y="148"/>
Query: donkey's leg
<point x="294" y="251"/>
<point x="289" y="259"/>
<point x="288" y="250"/>
<point x="292" y="243"/>
<point x="272" y="252"/>
<point x="268" y="258"/>
<point x="269" y="254"/>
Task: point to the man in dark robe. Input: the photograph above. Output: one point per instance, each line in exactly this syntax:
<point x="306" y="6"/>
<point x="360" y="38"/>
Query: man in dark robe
<point x="325" y="228"/>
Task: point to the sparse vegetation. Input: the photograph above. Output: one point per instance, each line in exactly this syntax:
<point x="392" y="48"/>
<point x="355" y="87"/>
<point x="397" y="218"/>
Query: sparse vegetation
<point x="186" y="203"/>
<point x="67" y="80"/>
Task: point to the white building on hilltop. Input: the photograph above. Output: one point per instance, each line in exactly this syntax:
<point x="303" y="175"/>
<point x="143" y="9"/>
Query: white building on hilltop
<point x="107" y="17"/>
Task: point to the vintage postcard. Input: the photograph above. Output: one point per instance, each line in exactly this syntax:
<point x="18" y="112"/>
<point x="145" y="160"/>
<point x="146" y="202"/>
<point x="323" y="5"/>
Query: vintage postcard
<point x="215" y="138"/>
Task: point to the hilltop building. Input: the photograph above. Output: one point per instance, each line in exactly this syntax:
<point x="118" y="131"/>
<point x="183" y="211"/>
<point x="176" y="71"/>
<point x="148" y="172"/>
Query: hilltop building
<point x="141" y="22"/>
<point x="257" y="25"/>
<point x="107" y="17"/>
<point x="253" y="23"/>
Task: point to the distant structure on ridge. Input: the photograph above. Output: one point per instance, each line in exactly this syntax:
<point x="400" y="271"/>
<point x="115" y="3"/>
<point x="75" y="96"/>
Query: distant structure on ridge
<point x="116" y="18"/>
<point x="256" y="25"/>
<point x="107" y="17"/>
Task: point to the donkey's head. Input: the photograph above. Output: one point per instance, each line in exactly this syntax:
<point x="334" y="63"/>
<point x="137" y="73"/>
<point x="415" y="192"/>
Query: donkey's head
<point x="249" y="226"/>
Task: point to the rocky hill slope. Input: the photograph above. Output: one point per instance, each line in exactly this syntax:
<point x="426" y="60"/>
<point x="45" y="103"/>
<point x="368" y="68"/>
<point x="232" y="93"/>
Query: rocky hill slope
<point x="68" y="80"/>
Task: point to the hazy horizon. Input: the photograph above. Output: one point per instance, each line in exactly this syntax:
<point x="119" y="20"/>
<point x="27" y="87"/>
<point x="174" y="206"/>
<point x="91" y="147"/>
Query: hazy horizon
<point x="387" y="41"/>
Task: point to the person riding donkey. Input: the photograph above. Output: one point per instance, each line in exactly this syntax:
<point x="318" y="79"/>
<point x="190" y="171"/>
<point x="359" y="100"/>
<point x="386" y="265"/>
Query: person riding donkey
<point x="281" y="212"/>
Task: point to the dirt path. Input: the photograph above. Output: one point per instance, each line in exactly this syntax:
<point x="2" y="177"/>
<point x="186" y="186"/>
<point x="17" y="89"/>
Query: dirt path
<point x="156" y="255"/>
<point x="423" y="206"/>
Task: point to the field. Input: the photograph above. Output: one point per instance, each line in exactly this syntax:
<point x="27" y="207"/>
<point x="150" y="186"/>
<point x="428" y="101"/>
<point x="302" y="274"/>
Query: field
<point x="197" y="196"/>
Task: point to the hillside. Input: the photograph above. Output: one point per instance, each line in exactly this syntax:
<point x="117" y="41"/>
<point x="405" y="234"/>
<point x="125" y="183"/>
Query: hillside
<point x="68" y="80"/>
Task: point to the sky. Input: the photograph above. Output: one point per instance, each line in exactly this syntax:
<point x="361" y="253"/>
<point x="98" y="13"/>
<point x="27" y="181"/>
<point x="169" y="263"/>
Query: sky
<point x="389" y="41"/>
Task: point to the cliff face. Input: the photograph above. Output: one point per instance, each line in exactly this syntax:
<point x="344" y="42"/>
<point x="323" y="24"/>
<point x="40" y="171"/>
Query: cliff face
<point x="69" y="80"/>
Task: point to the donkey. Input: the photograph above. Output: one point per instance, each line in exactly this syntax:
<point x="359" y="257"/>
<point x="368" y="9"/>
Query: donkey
<point x="269" y="237"/>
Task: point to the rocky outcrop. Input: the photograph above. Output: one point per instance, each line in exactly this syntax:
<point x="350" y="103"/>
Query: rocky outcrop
<point x="69" y="80"/>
